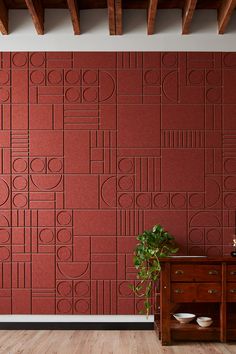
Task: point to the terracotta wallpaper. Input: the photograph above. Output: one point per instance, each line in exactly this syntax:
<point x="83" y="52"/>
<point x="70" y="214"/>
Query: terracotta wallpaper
<point x="97" y="147"/>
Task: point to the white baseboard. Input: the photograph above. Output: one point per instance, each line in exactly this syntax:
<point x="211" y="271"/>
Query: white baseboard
<point x="77" y="318"/>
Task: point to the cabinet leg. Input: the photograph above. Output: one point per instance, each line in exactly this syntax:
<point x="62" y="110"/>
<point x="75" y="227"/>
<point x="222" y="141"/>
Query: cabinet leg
<point x="166" y="342"/>
<point x="223" y="307"/>
<point x="165" y="306"/>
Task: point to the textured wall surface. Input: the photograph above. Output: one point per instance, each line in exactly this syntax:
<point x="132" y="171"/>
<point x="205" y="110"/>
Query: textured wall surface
<point x="97" y="147"/>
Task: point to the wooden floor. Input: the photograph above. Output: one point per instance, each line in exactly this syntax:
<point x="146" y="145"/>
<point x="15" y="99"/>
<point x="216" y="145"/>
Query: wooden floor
<point x="99" y="342"/>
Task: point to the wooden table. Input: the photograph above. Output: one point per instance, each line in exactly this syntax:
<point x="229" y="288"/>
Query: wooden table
<point x="203" y="286"/>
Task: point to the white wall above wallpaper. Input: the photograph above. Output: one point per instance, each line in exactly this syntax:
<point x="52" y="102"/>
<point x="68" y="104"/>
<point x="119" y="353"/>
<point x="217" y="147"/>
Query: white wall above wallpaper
<point x="95" y="32"/>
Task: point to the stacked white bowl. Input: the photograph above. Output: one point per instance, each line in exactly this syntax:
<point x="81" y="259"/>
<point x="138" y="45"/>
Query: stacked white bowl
<point x="204" y="321"/>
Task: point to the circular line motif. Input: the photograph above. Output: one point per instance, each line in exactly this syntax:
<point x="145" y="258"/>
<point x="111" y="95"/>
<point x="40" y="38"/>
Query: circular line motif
<point x="4" y="221"/>
<point x="126" y="165"/>
<point x="63" y="253"/>
<point x="196" y="200"/>
<point x="213" y="77"/>
<point x="64" y="306"/>
<point x="90" y="94"/>
<point x="143" y="200"/>
<point x="161" y="200"/>
<point x="64" y="218"/>
<point x="126" y="183"/>
<point x="19" y="59"/>
<point x="152" y="77"/>
<point x="124" y="289"/>
<point x="72" y="77"/>
<point x="4" y="77"/>
<point x="46" y="236"/>
<point x="37" y="165"/>
<point x="90" y="77"/>
<point x="213" y="236"/>
<point x="20" y="183"/>
<point x="4" y="94"/>
<point x="20" y="165"/>
<point x="125" y="200"/>
<point x="37" y="77"/>
<point x="55" y="165"/>
<point x="178" y="200"/>
<point x="213" y="251"/>
<point x="169" y="59"/>
<point x="230" y="183"/>
<point x="82" y="289"/>
<point x="4" y="253"/>
<point x="64" y="288"/>
<point x="37" y="59"/>
<point x="64" y="236"/>
<point x="54" y="77"/>
<point x="213" y="95"/>
<point x="230" y="200"/>
<point x="107" y="87"/>
<point x="46" y="181"/>
<point x="4" y="192"/>
<point x="196" y="77"/>
<point x="82" y="306"/>
<point x="72" y="95"/>
<point x="230" y="59"/>
<point x="4" y="236"/>
<point x="170" y="87"/>
<point x="139" y="305"/>
<point x="108" y="191"/>
<point x="196" y="236"/>
<point x="20" y="200"/>
<point x="230" y="165"/>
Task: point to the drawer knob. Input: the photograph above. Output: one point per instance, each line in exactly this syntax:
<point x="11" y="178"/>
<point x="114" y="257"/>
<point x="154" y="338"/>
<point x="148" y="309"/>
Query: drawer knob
<point x="212" y="291"/>
<point x="213" y="272"/>
<point x="232" y="291"/>
<point x="179" y="271"/>
<point x="178" y="291"/>
<point x="233" y="272"/>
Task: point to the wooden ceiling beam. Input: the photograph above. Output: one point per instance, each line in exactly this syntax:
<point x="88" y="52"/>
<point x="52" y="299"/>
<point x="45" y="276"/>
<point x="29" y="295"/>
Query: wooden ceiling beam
<point x="36" y="11"/>
<point x="188" y="11"/>
<point x="118" y="16"/>
<point x="151" y="16"/>
<point x="3" y="18"/>
<point x="225" y="12"/>
<point x="74" y="13"/>
<point x="111" y="16"/>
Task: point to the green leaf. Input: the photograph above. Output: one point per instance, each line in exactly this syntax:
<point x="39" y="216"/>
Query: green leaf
<point x="152" y="245"/>
<point x="147" y="304"/>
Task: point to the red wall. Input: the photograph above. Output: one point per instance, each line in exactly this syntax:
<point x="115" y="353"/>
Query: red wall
<point x="97" y="147"/>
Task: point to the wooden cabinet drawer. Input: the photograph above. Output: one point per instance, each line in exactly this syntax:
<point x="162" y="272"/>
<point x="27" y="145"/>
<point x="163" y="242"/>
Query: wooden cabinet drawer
<point x="191" y="272"/>
<point x="231" y="273"/>
<point x="182" y="292"/>
<point x="210" y="292"/>
<point x="231" y="292"/>
<point x="196" y="292"/>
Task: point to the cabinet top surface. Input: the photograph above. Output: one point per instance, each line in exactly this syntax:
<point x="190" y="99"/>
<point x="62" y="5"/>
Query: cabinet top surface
<point x="199" y="259"/>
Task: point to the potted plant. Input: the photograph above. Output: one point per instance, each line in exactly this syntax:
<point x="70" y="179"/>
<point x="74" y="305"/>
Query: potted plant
<point x="153" y="245"/>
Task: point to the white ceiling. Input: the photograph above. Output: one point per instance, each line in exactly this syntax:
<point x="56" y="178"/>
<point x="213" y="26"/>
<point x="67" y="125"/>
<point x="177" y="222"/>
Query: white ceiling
<point x="95" y="33"/>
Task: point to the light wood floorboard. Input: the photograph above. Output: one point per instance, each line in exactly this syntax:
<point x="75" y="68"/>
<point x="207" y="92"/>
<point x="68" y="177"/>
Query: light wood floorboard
<point x="100" y="342"/>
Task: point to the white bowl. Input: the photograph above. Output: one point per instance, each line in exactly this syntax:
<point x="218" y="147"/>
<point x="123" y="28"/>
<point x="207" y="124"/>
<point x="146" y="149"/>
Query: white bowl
<point x="184" y="317"/>
<point x="204" y="321"/>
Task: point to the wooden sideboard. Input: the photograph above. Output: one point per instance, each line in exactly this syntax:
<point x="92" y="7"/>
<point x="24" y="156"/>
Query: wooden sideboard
<point x="203" y="286"/>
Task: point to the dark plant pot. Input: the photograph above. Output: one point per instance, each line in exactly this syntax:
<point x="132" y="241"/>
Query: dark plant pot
<point x="233" y="253"/>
